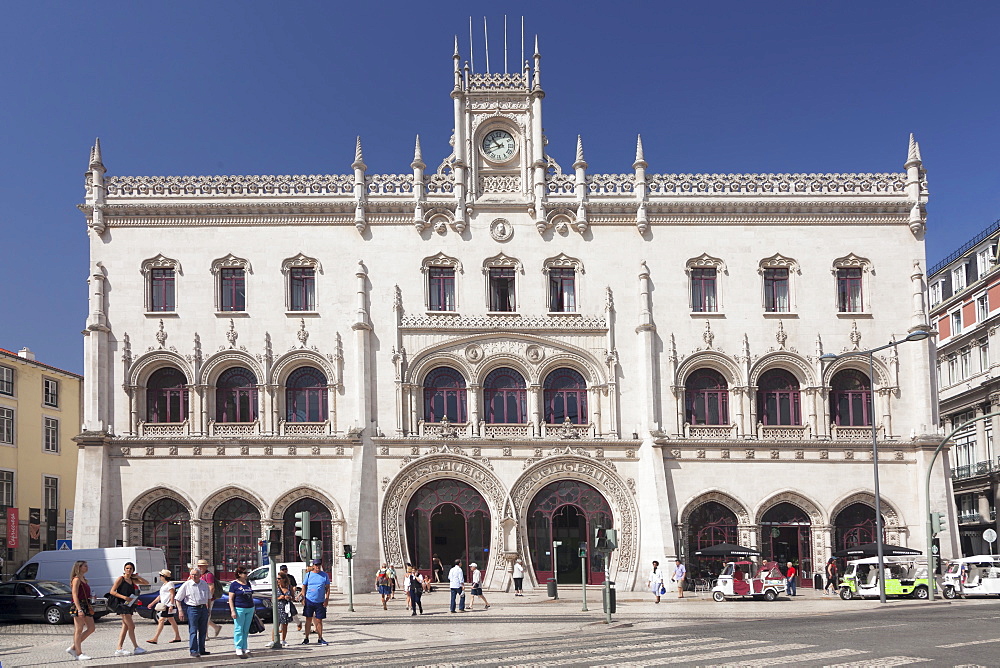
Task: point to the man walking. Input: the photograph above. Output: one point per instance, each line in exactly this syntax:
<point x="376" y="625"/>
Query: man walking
<point x="680" y="573"/>
<point x="456" y="580"/>
<point x="208" y="577"/>
<point x="790" y="574"/>
<point x="316" y="596"/>
<point x="195" y="597"/>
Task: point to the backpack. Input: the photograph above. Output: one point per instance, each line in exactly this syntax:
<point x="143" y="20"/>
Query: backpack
<point x="416" y="586"/>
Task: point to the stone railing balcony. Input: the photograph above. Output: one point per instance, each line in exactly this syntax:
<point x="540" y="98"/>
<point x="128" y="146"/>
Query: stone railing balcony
<point x="793" y="432"/>
<point x="709" y="431"/>
<point x="506" y="430"/>
<point x="960" y="472"/>
<point x="164" y="429"/>
<point x="233" y="429"/>
<point x="568" y="430"/>
<point x="983" y="468"/>
<point x="444" y="429"/>
<point x="307" y="429"/>
<point x="842" y="433"/>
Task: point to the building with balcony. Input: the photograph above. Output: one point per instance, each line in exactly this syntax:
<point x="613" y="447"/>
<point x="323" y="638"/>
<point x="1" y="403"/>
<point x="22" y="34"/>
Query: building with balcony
<point x="474" y="360"/>
<point x="40" y="414"/>
<point x="964" y="292"/>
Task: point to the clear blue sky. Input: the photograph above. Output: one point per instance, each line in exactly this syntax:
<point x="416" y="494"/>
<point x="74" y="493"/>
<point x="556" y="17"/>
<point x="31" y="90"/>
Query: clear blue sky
<point x="284" y="88"/>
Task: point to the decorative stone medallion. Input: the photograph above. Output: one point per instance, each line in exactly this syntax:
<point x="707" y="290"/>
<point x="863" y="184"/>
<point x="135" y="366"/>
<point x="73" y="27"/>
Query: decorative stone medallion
<point x="474" y="353"/>
<point x="501" y="229"/>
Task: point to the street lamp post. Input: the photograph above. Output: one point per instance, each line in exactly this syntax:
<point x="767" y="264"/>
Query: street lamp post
<point x="916" y="335"/>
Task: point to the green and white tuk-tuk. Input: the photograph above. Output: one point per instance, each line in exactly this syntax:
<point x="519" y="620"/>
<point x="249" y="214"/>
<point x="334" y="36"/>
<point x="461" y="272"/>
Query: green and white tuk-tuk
<point x="904" y="576"/>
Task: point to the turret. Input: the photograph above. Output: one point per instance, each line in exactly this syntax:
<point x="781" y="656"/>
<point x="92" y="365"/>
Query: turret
<point x="915" y="175"/>
<point x="580" y="186"/>
<point x="418" y="181"/>
<point x="641" y="218"/>
<point x="95" y="187"/>
<point x="359" y="188"/>
<point x="458" y="67"/>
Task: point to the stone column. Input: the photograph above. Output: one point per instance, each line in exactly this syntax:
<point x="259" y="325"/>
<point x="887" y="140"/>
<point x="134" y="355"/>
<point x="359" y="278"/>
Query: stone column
<point x="982" y="454"/>
<point x="594" y="397"/>
<point x="535" y="400"/>
<point x="199" y="548"/>
<point x="473" y="407"/>
<point x="994" y="426"/>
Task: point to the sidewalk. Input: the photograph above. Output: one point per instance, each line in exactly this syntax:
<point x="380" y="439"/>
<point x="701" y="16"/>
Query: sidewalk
<point x="369" y="627"/>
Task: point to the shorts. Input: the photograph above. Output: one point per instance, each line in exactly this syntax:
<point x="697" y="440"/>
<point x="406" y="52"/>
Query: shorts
<point x="314" y="609"/>
<point x="165" y="614"/>
<point x="384" y="590"/>
<point x="477" y="591"/>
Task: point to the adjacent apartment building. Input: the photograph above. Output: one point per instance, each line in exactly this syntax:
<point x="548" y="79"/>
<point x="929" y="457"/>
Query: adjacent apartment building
<point x="40" y="411"/>
<point x="965" y="304"/>
<point x="487" y="352"/>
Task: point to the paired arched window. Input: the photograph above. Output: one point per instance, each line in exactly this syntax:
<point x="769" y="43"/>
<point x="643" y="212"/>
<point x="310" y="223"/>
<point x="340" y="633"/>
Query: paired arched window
<point x="236" y="396"/>
<point x="444" y="395"/>
<point x="778" y="398"/>
<point x="565" y="396"/>
<point x="851" y="399"/>
<point x="305" y="395"/>
<point x="706" y="398"/>
<point x="506" y="397"/>
<point x="166" y="396"/>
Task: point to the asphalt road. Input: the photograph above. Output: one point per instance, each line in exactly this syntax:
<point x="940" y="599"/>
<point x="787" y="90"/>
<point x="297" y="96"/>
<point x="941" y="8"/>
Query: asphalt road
<point x="939" y="635"/>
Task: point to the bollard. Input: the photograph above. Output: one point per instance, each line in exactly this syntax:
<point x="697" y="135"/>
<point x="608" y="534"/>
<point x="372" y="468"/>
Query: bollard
<point x="553" y="588"/>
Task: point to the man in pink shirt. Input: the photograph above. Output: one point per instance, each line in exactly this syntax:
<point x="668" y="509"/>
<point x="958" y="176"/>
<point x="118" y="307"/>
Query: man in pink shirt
<point x="209" y="578"/>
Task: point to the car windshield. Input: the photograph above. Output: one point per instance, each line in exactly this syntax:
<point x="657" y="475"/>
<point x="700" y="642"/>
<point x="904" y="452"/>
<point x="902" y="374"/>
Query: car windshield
<point x="52" y="588"/>
<point x="259" y="573"/>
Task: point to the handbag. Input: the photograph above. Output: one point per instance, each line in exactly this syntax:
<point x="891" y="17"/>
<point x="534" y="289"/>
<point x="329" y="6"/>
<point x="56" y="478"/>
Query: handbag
<point x="662" y="590"/>
<point x="256" y="626"/>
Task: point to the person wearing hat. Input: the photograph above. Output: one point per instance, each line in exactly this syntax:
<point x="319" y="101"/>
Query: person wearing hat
<point x="208" y="577"/>
<point x="166" y="608"/>
<point x="477" y="586"/>
<point x="316" y="594"/>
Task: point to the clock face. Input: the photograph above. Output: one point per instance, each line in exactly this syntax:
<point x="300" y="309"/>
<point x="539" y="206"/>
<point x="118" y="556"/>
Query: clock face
<point x="499" y="145"/>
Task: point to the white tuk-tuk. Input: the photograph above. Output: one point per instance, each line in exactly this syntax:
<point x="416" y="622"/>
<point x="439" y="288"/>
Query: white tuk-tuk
<point x="972" y="576"/>
<point x="738" y="579"/>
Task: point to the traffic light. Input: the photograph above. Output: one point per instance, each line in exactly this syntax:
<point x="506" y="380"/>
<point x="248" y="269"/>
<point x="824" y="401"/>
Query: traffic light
<point x="612" y="538"/>
<point x="317" y="548"/>
<point x="303" y="528"/>
<point x="348" y="551"/>
<point x="583" y="550"/>
<point x="605" y="540"/>
<point x="937" y="520"/>
<point x="274" y="543"/>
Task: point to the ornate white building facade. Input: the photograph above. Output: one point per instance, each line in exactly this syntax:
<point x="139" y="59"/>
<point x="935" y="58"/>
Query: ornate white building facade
<point x="473" y="361"/>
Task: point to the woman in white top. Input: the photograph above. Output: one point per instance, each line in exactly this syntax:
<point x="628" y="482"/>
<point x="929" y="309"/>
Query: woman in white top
<point x="655" y="582"/>
<point x="477" y="586"/>
<point x="518" y="578"/>
<point x="166" y="608"/>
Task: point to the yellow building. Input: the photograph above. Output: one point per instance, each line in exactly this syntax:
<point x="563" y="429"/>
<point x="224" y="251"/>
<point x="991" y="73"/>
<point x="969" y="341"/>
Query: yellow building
<point x="40" y="413"/>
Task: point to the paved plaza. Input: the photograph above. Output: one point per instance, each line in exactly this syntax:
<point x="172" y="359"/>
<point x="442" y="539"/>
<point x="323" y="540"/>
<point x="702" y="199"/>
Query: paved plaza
<point x="810" y="630"/>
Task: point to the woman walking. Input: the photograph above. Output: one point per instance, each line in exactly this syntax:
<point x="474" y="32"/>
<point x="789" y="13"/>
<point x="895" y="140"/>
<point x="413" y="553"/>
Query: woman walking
<point x="414" y="589"/>
<point x="166" y="608"/>
<point x="126" y="590"/>
<point x="438" y="569"/>
<point x="655" y="582"/>
<point x="477" y="587"/>
<point x="82" y="611"/>
<point x="241" y="608"/>
<point x="382" y="585"/>
<point x="286" y="606"/>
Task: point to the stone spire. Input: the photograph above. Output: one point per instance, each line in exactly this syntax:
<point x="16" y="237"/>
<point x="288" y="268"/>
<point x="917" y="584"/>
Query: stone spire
<point x="537" y="82"/>
<point x="640" y="159"/>
<point x="456" y="58"/>
<point x="359" y="161"/>
<point x="418" y="156"/>
<point x="913" y="154"/>
<point x="579" y="154"/>
<point x="95" y="156"/>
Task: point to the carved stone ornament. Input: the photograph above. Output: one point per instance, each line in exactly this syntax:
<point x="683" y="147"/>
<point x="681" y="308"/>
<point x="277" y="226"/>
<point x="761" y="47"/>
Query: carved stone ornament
<point x="898" y="455"/>
<point x="855" y="335"/>
<point x="161" y="335"/>
<point x="800" y="454"/>
<point x="501" y="229"/>
<point x="725" y="454"/>
<point x="508" y="451"/>
<point x="302" y="335"/>
<point x="534" y="354"/>
<point x="775" y="454"/>
<point x="708" y="336"/>
<point x="474" y="353"/>
<point x="781" y="336"/>
<point x="824" y="454"/>
<point x="231" y="334"/>
<point x="701" y="454"/>
<point x="268" y="450"/>
<point x="245" y="450"/>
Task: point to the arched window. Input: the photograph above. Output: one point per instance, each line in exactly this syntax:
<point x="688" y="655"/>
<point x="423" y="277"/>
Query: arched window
<point x="236" y="396"/>
<point x="305" y="395"/>
<point x="166" y="524"/>
<point x="706" y="398"/>
<point x="785" y="533"/>
<point x="166" y="396"/>
<point x="565" y="393"/>
<point x="506" y="397"/>
<point x="778" y="401"/>
<point x="444" y="395"/>
<point x="854" y="525"/>
<point x="851" y="399"/>
<point x="710" y="524"/>
<point x="448" y="519"/>
<point x="236" y="531"/>
<point x="567" y="511"/>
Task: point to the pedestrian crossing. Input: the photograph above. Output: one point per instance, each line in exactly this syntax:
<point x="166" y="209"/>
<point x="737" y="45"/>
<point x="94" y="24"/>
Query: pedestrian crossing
<point x="626" y="649"/>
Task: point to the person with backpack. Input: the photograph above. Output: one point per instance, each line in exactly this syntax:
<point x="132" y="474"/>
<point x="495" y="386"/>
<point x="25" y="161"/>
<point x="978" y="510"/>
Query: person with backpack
<point x="383" y="585"/>
<point x="414" y="589"/>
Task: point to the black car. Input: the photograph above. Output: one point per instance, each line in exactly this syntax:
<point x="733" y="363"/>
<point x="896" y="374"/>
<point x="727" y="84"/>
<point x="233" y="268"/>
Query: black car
<point x="44" y="600"/>
<point x="220" y="609"/>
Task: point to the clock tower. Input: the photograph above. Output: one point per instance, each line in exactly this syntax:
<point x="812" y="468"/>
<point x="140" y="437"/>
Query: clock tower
<point x="499" y="150"/>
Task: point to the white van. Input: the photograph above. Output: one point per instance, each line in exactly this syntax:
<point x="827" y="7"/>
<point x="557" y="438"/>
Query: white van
<point x="260" y="578"/>
<point x="104" y="566"/>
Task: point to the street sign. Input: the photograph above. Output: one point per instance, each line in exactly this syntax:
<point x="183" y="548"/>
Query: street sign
<point x="64" y="544"/>
<point x="990" y="536"/>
